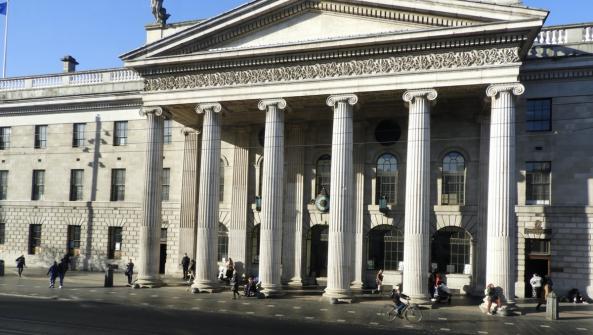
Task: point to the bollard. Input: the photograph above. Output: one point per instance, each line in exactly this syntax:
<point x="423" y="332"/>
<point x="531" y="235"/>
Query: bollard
<point x="109" y="276"/>
<point x="552" y="306"/>
<point x="1" y="268"/>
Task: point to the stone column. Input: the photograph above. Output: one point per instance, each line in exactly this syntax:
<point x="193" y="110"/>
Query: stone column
<point x="239" y="201"/>
<point x="208" y="201"/>
<point x="502" y="189"/>
<point x="359" y="158"/>
<point x="272" y="195"/>
<point x="189" y="194"/>
<point x="480" y="257"/>
<point x="341" y="220"/>
<point x="150" y="230"/>
<point x="417" y="204"/>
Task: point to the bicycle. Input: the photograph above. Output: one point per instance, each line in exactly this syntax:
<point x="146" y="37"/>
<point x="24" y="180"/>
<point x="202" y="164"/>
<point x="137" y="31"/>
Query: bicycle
<point x="410" y="312"/>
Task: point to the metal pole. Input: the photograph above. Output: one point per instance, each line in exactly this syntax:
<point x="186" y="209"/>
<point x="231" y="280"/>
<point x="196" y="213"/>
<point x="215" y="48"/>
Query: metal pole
<point x="5" y="40"/>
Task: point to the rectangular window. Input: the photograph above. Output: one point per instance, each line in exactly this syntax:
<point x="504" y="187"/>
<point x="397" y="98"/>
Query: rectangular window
<point x="118" y="184"/>
<point x="537" y="247"/>
<point x="166" y="177"/>
<point x="538" y="176"/>
<point x="41" y="137"/>
<point x="73" y="245"/>
<point x="3" y="184"/>
<point x="78" y="130"/>
<point x="2" y="232"/>
<point x="120" y="133"/>
<point x="4" y="138"/>
<point x="168" y="131"/>
<point x="115" y="241"/>
<point x="76" y="183"/>
<point x="539" y="115"/>
<point x="38" y="189"/>
<point x="34" y="239"/>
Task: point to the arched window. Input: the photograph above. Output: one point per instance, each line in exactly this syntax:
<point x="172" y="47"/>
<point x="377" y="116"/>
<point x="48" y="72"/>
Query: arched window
<point x="385" y="248"/>
<point x="451" y="250"/>
<point x="223" y="242"/>
<point x="323" y="174"/>
<point x="453" y="179"/>
<point x="386" y="185"/>
<point x="255" y="244"/>
<point x="221" y="194"/>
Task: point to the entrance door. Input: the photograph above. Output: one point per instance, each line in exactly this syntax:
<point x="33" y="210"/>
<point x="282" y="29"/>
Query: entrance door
<point x="318" y="251"/>
<point x="163" y="259"/>
<point x="537" y="260"/>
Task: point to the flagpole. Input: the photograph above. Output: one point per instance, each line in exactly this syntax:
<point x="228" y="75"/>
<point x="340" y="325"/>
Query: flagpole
<point x="5" y="41"/>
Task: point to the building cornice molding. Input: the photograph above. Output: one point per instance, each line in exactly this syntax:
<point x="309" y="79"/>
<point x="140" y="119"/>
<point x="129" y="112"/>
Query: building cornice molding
<point x="556" y="74"/>
<point x="330" y="70"/>
<point x="48" y="109"/>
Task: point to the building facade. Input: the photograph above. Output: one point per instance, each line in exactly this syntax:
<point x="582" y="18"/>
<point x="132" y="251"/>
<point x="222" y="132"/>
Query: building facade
<point x="314" y="143"/>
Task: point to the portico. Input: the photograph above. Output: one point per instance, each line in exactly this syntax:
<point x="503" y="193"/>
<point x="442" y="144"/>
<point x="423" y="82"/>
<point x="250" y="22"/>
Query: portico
<point x="287" y="103"/>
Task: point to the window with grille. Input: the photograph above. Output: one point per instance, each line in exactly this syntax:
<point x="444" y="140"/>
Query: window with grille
<point x="386" y="179"/>
<point x="385" y="248"/>
<point x="78" y="131"/>
<point x="38" y="189"/>
<point x="120" y="133"/>
<point x="166" y="177"/>
<point x="73" y="244"/>
<point x="168" y="131"/>
<point x="76" y="184"/>
<point x="34" y="239"/>
<point x="2" y="232"/>
<point x="41" y="137"/>
<point x="539" y="115"/>
<point x="537" y="178"/>
<point x="4" y="138"/>
<point x="451" y="250"/>
<point x="323" y="174"/>
<point x="118" y="184"/>
<point x="255" y="240"/>
<point x="221" y="178"/>
<point x="114" y="243"/>
<point x="223" y="242"/>
<point x="3" y="184"/>
<point x="453" y="179"/>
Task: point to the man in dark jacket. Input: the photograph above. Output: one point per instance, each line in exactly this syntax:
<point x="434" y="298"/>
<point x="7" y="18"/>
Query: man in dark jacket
<point x="185" y="266"/>
<point x="62" y="269"/>
<point x="53" y="273"/>
<point x="129" y="271"/>
<point x="20" y="265"/>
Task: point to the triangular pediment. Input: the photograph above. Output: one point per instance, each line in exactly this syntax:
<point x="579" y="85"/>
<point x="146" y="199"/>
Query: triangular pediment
<point x="263" y="23"/>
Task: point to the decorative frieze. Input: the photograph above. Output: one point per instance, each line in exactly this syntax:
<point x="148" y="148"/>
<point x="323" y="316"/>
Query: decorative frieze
<point x="337" y="69"/>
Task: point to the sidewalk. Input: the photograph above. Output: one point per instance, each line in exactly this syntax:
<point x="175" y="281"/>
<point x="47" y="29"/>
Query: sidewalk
<point x="306" y="305"/>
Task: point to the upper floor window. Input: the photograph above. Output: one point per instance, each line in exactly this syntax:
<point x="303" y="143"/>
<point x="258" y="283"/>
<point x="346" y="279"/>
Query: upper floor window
<point x="4" y="138"/>
<point x="120" y="133"/>
<point x="166" y="178"/>
<point x="38" y="189"/>
<point x="453" y="179"/>
<point x="41" y="137"/>
<point x="76" y="184"/>
<point x="168" y="131"/>
<point x="78" y="130"/>
<point x="386" y="179"/>
<point x="537" y="178"/>
<point x="3" y="184"/>
<point x="323" y="174"/>
<point x="118" y="184"/>
<point x="539" y="115"/>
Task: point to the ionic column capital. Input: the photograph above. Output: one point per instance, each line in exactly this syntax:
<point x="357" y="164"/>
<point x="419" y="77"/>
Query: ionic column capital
<point x="154" y="110"/>
<point x="494" y="89"/>
<point x="429" y="94"/>
<point x="187" y="131"/>
<point x="208" y="106"/>
<point x="265" y="103"/>
<point x="351" y="99"/>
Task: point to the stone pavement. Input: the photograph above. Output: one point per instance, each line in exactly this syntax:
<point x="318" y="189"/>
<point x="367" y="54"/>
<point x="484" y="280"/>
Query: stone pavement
<point x="462" y="317"/>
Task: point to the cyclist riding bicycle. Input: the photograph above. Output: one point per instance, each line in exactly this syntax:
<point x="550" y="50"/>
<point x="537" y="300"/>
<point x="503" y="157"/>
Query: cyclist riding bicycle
<point x="396" y="295"/>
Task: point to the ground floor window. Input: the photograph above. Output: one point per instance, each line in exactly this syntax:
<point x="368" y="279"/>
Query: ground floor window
<point x="115" y="243"/>
<point x="34" y="239"/>
<point x="2" y="232"/>
<point x="317" y="244"/>
<point x="255" y="244"/>
<point x="73" y="244"/>
<point x="223" y="242"/>
<point x="451" y="250"/>
<point x="385" y="248"/>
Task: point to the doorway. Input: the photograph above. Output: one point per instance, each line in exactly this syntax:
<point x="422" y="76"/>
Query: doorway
<point x="317" y="243"/>
<point x="163" y="253"/>
<point x="537" y="260"/>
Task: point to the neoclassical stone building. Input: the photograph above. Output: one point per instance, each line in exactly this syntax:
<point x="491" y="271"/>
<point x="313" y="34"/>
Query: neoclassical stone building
<point x="315" y="142"/>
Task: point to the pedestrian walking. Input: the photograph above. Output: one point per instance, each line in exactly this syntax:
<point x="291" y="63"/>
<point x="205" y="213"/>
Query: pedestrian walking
<point x="547" y="289"/>
<point x="20" y="265"/>
<point x="536" y="285"/>
<point x="129" y="271"/>
<point x="185" y="265"/>
<point x="52" y="273"/>
<point x="235" y="284"/>
<point x="379" y="281"/>
<point x="62" y="269"/>
<point x="192" y="271"/>
<point x="230" y="267"/>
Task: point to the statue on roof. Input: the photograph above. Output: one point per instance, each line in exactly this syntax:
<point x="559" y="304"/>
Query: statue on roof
<point x="159" y="12"/>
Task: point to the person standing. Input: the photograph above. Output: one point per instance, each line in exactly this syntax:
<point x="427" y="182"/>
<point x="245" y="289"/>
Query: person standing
<point x="235" y="284"/>
<point x="192" y="271"/>
<point x="53" y="273"/>
<point x="129" y="271"/>
<point x="185" y="266"/>
<point x="536" y="285"/>
<point x="547" y="288"/>
<point x="20" y="265"/>
<point x="379" y="281"/>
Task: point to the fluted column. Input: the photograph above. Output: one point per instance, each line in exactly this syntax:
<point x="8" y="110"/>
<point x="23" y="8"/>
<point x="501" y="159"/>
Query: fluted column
<point x="417" y="204"/>
<point x="239" y="201"/>
<point x="341" y="213"/>
<point x="207" y="222"/>
<point x="272" y="195"/>
<point x="481" y="247"/>
<point x="502" y="189"/>
<point x="359" y="158"/>
<point x="189" y="194"/>
<point x="150" y="230"/>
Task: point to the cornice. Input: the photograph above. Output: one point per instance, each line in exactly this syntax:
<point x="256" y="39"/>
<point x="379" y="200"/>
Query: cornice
<point x="68" y="108"/>
<point x="556" y="74"/>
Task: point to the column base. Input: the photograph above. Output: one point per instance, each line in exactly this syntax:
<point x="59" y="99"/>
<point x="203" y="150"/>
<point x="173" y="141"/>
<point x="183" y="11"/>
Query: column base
<point x="271" y="291"/>
<point x="295" y="282"/>
<point x="205" y="287"/>
<point x="421" y="300"/>
<point x="334" y="296"/>
<point x="357" y="286"/>
<point x="148" y="282"/>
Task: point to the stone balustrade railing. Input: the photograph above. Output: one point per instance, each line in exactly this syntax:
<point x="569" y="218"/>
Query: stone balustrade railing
<point x="69" y="79"/>
<point x="568" y="34"/>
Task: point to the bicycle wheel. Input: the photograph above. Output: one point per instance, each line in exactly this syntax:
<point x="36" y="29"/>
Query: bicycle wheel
<point x="389" y="312"/>
<point x="413" y="314"/>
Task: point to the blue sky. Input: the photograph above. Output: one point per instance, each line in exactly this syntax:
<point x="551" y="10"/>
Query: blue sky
<point x="97" y="32"/>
